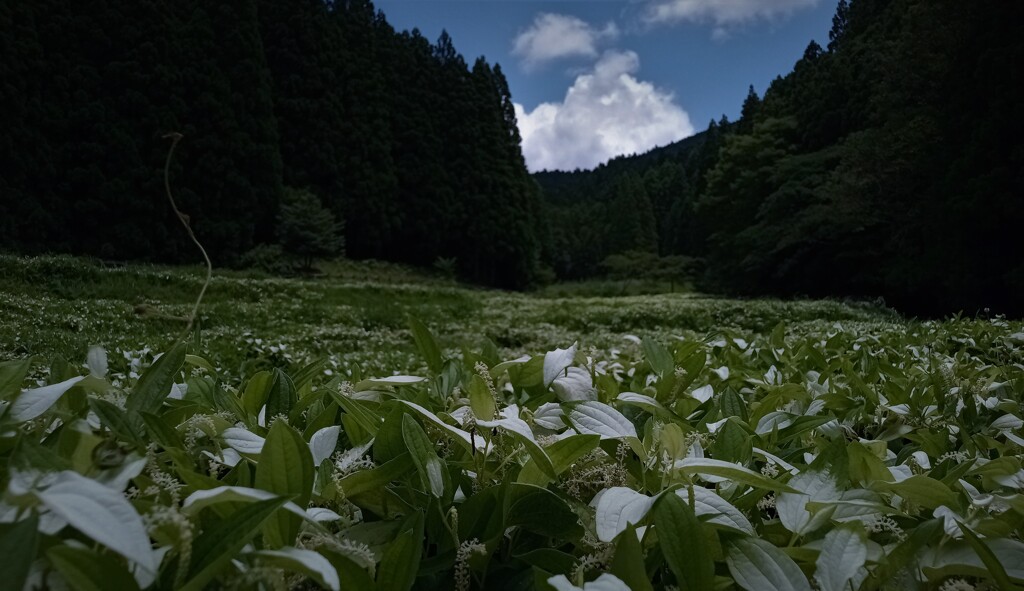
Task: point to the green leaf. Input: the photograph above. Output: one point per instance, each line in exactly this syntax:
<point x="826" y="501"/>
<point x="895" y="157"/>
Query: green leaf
<point x="562" y="453"/>
<point x="426" y="345"/>
<point x="628" y="563"/>
<point x="458" y="435"/>
<point x="905" y="553"/>
<point x="161" y="432"/>
<point x="481" y="400"/>
<point x="18" y="544"/>
<point x="541" y="511"/>
<point x="732" y="405"/>
<point x="683" y="543"/>
<point x="217" y="545"/>
<point x="256" y="391"/>
<point x="757" y="565"/>
<point x="991" y="561"/>
<point x="922" y="490"/>
<point x="658" y="356"/>
<point x="401" y="560"/>
<point x="432" y="470"/>
<point x="86" y="570"/>
<point x="285" y="468"/>
<point x="12" y="375"/>
<point x="152" y="389"/>
<point x="363" y="417"/>
<point x="281" y="396"/>
<point x="733" y="443"/>
<point x="376" y="478"/>
<point x="731" y="471"/>
<point x="114" y="418"/>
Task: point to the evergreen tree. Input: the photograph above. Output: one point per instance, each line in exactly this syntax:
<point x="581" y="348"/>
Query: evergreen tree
<point x="306" y="229"/>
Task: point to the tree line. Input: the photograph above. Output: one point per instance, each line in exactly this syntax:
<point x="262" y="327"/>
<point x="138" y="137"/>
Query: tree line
<point x="415" y="150"/>
<point x="888" y="164"/>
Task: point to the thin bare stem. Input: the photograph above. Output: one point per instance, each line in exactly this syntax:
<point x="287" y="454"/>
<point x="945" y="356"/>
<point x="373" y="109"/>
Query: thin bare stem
<point x="175" y="137"/>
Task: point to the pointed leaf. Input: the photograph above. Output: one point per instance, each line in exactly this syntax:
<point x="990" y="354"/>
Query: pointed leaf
<point x="102" y="514"/>
<point x="683" y="543"/>
<point x="757" y="565"/>
<point x="306" y="562"/>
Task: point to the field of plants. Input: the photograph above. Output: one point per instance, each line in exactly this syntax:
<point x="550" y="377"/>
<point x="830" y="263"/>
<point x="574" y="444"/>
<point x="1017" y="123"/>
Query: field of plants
<point x="374" y="428"/>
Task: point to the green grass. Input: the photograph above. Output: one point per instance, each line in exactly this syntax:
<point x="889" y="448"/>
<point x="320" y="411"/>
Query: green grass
<point x="353" y="313"/>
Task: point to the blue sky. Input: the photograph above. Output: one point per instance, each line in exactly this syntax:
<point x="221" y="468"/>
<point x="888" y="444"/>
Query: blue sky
<point x="599" y="78"/>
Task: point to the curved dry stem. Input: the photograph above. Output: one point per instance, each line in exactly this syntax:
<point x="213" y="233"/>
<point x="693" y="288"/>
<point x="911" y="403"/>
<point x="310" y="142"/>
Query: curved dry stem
<point x="175" y="137"/>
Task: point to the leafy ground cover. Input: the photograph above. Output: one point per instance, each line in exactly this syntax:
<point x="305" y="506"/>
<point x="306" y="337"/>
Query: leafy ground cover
<point x="318" y="434"/>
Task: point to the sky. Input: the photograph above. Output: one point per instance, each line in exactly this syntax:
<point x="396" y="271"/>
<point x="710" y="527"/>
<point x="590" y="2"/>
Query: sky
<point x="595" y="79"/>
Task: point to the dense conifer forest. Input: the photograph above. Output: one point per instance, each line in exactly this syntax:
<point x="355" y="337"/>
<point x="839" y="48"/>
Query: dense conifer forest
<point x="415" y="149"/>
<point x="886" y="164"/>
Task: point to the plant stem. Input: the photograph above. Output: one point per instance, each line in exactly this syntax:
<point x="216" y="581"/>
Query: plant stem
<point x="175" y="137"/>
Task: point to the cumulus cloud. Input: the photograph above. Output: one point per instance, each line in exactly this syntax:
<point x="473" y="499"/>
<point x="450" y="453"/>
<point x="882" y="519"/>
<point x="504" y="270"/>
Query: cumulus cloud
<point x="606" y="113"/>
<point x="722" y="12"/>
<point x="554" y="36"/>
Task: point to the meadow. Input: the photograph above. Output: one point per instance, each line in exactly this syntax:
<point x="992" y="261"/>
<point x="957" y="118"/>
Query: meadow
<point x="376" y="427"/>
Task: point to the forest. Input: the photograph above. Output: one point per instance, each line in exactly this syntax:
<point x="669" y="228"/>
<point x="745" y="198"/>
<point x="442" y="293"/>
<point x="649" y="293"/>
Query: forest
<point x="886" y="164"/>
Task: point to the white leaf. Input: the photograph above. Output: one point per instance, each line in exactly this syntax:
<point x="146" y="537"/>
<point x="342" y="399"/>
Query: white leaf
<point x="1009" y="553"/>
<point x="772" y="377"/>
<point x="598" y="418"/>
<point x="32" y="403"/>
<point x="223" y="494"/>
<point x="773" y="420"/>
<point x="435" y="474"/>
<point x="792" y="507"/>
<point x="321" y="515"/>
<point x="556" y="362"/>
<point x="178" y="391"/>
<point x="843" y="554"/>
<point x="118" y="478"/>
<point x="510" y="421"/>
<point x="396" y="380"/>
<point x="323" y="442"/>
<point x="721" y="372"/>
<point x="97" y="361"/>
<point x="306" y="562"/>
<point x="549" y="416"/>
<point x="228" y="457"/>
<point x="243" y="441"/>
<point x="606" y="582"/>
<point x="776" y="459"/>
<point x="714" y="427"/>
<point x="721" y="511"/>
<point x="1006" y="422"/>
<point x="102" y="514"/>
<point x="615" y="508"/>
<point x="574" y="385"/>
<point x="640" y="400"/>
<point x="757" y="565"/>
<point x="703" y="394"/>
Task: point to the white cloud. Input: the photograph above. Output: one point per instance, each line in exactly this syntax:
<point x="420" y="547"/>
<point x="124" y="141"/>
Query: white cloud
<point x="554" y="36"/>
<point x="606" y="113"/>
<point x="722" y="12"/>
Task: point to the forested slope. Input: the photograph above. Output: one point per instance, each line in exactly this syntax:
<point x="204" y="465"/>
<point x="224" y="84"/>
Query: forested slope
<point x="414" y="148"/>
<point x="888" y="163"/>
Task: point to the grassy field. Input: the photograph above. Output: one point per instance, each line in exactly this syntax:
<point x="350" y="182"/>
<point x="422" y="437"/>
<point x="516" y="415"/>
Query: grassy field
<point x="550" y="441"/>
<point x="356" y="314"/>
